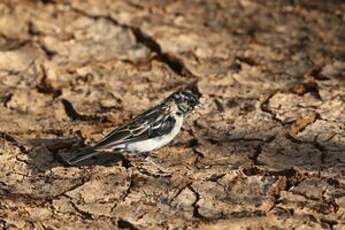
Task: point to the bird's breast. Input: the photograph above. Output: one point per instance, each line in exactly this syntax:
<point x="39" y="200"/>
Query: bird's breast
<point x="157" y="142"/>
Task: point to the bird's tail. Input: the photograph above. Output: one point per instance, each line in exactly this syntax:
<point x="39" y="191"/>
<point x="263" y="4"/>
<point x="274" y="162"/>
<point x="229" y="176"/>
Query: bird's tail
<point x="83" y="155"/>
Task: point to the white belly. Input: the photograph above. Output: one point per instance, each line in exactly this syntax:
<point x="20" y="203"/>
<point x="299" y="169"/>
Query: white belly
<point x="157" y="142"/>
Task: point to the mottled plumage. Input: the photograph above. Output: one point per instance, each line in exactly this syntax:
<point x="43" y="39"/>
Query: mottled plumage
<point x="151" y="130"/>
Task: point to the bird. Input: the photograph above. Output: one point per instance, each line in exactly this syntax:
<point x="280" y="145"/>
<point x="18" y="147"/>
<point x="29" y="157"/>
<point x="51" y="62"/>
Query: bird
<point x="151" y="130"/>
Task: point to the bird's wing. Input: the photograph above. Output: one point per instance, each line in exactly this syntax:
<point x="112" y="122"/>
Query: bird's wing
<point x="155" y="122"/>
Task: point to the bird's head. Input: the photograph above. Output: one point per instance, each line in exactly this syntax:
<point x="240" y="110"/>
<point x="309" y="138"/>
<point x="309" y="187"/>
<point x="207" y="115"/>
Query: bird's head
<point x="185" y="100"/>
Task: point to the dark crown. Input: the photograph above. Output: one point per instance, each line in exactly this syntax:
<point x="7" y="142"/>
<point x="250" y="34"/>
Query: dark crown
<point x="185" y="100"/>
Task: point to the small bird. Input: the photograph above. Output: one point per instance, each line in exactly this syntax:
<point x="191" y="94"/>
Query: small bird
<point x="151" y="130"/>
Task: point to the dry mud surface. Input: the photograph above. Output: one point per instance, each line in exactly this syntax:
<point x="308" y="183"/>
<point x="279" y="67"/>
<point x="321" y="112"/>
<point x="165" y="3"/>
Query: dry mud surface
<point x="267" y="149"/>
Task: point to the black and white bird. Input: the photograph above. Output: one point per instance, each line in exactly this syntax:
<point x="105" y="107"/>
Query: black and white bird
<point x="151" y="130"/>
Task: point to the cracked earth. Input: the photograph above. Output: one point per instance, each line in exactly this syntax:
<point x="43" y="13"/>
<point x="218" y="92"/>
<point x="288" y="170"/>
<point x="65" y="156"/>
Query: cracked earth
<point x="266" y="150"/>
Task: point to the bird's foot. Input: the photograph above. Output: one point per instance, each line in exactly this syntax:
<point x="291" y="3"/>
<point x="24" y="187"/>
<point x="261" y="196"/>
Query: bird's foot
<point x="154" y="166"/>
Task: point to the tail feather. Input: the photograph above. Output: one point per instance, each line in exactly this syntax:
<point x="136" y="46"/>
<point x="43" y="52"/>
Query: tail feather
<point x="83" y="155"/>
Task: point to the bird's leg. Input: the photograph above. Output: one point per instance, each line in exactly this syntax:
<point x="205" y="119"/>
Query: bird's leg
<point x="135" y="157"/>
<point x="157" y="164"/>
<point x="148" y="158"/>
<point x="150" y="161"/>
<point x="144" y="154"/>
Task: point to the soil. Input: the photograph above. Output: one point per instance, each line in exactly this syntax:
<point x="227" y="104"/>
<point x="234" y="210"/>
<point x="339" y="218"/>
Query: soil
<point x="265" y="151"/>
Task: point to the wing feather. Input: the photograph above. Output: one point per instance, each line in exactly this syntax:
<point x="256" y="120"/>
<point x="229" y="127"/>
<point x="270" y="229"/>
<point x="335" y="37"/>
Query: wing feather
<point x="140" y="128"/>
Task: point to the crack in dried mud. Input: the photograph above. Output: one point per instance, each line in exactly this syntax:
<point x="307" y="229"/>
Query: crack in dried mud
<point x="172" y="62"/>
<point x="266" y="151"/>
